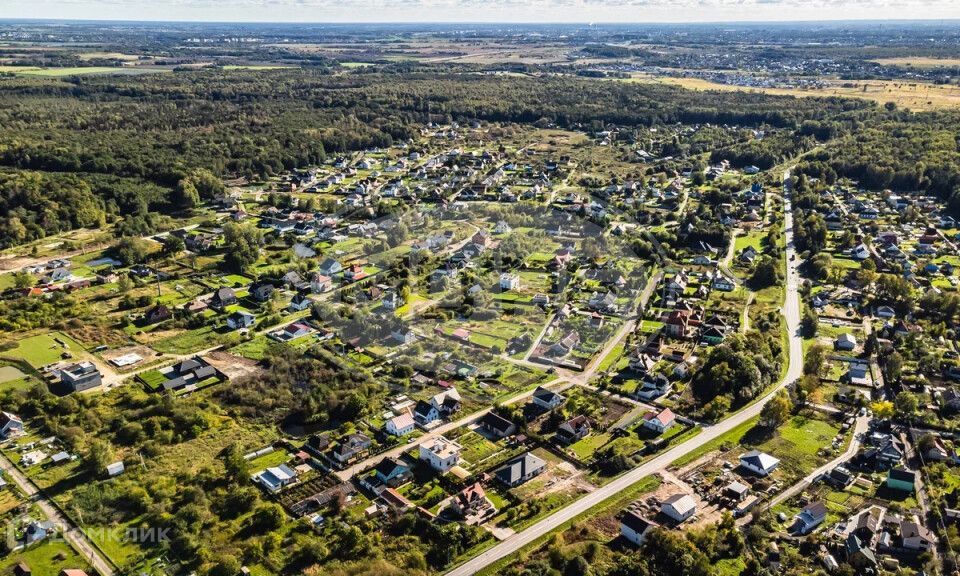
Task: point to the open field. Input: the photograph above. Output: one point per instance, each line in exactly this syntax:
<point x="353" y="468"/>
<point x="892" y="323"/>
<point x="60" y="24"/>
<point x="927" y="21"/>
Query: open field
<point x="917" y="96"/>
<point x="919" y="61"/>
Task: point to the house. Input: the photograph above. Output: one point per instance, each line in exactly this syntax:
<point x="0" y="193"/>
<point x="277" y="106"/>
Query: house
<point x="914" y="536"/>
<point x="472" y="501"/>
<point x="760" y="463"/>
<point x="400" y="425"/>
<point x="602" y="301"/>
<point x="393" y="472"/>
<point x="859" y="554"/>
<point x="884" y="453"/>
<point x="403" y="336"/>
<point x="11" y="425"/>
<point x="497" y="426"/>
<point x="261" y="291"/>
<point x="520" y="469"/>
<point x="391" y="301"/>
<point x="860" y="252"/>
<point x="440" y="453"/>
<point x="679" y="507"/>
<point x="810" y="517"/>
<point x="736" y="491"/>
<point x="885" y="312"/>
<point x="547" y="399"/>
<point x="240" y="319"/>
<point x="654" y="385"/>
<point x="845" y="341"/>
<point x="351" y="447"/>
<point x="330" y="267"/>
<point x="291" y="332"/>
<point x="72" y="572"/>
<point x="839" y="477"/>
<point x="573" y="430"/>
<point x="299" y="303"/>
<point x="901" y="479"/>
<point x="189" y="372"/>
<point x="276" y="477"/>
<point x="509" y="281"/>
<point x="676" y="323"/>
<point x="115" y="469"/>
<point x="747" y="255"/>
<point x="157" y="314"/>
<point x="37" y="531"/>
<point x="565" y="345"/>
<point x="722" y="283"/>
<point x="222" y="298"/>
<point x="80" y="376"/>
<point x="320" y="283"/>
<point x="354" y="273"/>
<point x="634" y="527"/>
<point x="660" y="421"/>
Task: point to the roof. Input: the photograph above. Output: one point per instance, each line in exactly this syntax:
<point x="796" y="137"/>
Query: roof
<point x="542" y="393"/>
<point x="496" y="422"/>
<point x="388" y="466"/>
<point x="902" y="475"/>
<point x="664" y="417"/>
<point x="759" y="459"/>
<point x="514" y="470"/>
<point x="634" y="521"/>
<point x="737" y="488"/>
<point x="402" y="421"/>
<point x="815" y="509"/>
<point x="682" y="503"/>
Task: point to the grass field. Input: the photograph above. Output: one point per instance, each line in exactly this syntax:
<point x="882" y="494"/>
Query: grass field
<point x="912" y="95"/>
<point x="43" y="349"/>
<point x="48" y="557"/>
<point x="919" y="62"/>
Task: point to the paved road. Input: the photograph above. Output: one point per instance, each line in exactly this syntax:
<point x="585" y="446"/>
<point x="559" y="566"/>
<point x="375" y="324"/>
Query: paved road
<point x="791" y="312"/>
<point x="71" y="533"/>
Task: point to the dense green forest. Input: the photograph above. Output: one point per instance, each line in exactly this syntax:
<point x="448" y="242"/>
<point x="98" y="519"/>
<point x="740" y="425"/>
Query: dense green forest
<point x="118" y="146"/>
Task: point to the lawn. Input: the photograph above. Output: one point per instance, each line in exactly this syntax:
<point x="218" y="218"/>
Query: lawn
<point x="43" y="349"/>
<point x="47" y="558"/>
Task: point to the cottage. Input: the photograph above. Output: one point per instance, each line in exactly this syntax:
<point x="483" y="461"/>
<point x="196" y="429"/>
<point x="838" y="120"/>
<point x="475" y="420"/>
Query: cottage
<point x="261" y="291"/>
<point x="916" y="537"/>
<point x="654" y="385"/>
<point x="351" y="447"/>
<point x="320" y="283"/>
<point x="573" y="430"/>
<point x="845" y="342"/>
<point x="547" y="399"/>
<point x="660" y="421"/>
<point x="679" y="507"/>
<point x="240" y="319"/>
<point x="400" y="425"/>
<point x="497" y="426"/>
<point x="392" y="472"/>
<point x="509" y="281"/>
<point x="222" y="298"/>
<point x="472" y="501"/>
<point x="520" y="469"/>
<point x="157" y="314"/>
<point x="810" y="517"/>
<point x="276" y="478"/>
<point x="11" y="425"/>
<point x="299" y="303"/>
<point x="760" y="463"/>
<point x="634" y="527"/>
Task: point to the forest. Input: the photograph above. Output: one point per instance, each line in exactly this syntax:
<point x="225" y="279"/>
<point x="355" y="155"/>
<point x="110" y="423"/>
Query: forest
<point x="109" y="147"/>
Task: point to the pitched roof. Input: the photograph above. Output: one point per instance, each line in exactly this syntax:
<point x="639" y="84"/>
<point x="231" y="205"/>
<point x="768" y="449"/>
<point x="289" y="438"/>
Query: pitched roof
<point x="634" y="521"/>
<point x="514" y="470"/>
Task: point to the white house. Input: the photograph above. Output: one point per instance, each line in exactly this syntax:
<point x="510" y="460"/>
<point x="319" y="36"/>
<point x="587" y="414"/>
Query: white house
<point x="760" y="463"/>
<point x="440" y="453"/>
<point x="810" y="517"/>
<point x="659" y="421"/>
<point x="275" y="478"/>
<point x="401" y="425"/>
<point x="10" y="425"/>
<point x="634" y="527"/>
<point x="845" y="341"/>
<point x="679" y="507"/>
<point x="547" y="399"/>
<point x="320" y="283"/>
<point x="299" y="303"/>
<point x="885" y="312"/>
<point x="240" y="319"/>
<point x="509" y="281"/>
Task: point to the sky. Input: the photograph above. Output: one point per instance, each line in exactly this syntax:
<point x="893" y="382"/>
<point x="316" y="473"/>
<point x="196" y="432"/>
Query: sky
<point x="585" y="11"/>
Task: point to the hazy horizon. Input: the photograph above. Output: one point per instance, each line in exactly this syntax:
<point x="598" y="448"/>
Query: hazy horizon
<point x="473" y="11"/>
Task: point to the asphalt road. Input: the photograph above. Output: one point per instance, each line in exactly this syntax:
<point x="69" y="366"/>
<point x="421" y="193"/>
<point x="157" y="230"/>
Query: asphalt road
<point x="791" y="312"/>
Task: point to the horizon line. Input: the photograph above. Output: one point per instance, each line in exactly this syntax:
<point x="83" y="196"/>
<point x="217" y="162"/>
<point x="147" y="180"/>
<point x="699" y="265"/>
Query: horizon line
<point x="907" y="20"/>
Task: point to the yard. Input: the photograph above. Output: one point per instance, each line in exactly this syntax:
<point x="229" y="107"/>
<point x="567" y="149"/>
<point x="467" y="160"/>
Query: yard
<point x="43" y="349"/>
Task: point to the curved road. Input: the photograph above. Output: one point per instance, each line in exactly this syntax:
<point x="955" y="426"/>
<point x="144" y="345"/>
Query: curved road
<point x="791" y="312"/>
